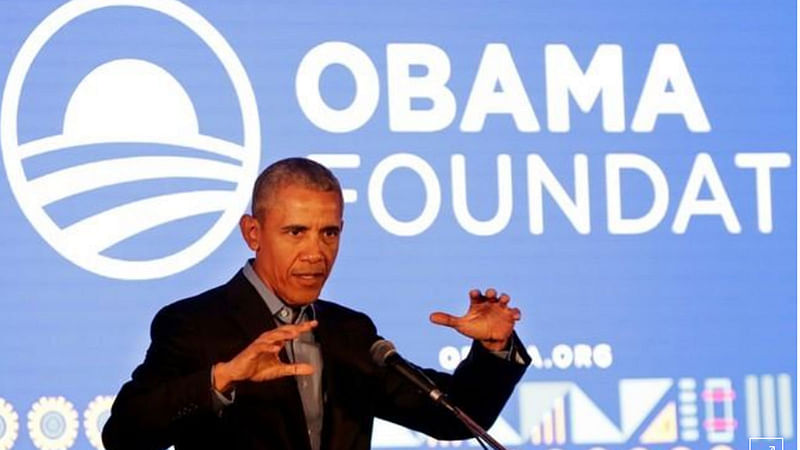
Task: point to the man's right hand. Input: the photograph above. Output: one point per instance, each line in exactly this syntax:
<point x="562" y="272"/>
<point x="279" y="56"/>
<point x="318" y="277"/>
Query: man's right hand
<point x="259" y="361"/>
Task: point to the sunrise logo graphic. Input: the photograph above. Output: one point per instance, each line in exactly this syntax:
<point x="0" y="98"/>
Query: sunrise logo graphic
<point x="131" y="101"/>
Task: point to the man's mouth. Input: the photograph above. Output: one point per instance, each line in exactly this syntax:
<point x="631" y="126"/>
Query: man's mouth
<point x="310" y="277"/>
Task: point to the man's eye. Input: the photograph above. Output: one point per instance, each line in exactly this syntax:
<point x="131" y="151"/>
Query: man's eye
<point x="295" y="231"/>
<point x="331" y="233"/>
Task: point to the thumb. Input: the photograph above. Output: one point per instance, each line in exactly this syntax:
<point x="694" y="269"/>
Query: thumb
<point x="441" y="318"/>
<point x="302" y="369"/>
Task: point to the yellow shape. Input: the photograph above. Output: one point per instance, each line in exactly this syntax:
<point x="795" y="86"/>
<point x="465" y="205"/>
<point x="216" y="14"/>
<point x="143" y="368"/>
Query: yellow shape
<point x="664" y="428"/>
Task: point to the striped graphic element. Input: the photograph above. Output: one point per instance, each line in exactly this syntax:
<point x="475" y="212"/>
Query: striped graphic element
<point x="553" y="427"/>
<point x="769" y="406"/>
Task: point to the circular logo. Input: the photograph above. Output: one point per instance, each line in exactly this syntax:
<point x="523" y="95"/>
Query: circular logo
<point x="53" y="423"/>
<point x="9" y="425"/>
<point x="95" y="417"/>
<point x="131" y="101"/>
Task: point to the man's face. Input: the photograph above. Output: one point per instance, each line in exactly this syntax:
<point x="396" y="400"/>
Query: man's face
<point x="296" y="240"/>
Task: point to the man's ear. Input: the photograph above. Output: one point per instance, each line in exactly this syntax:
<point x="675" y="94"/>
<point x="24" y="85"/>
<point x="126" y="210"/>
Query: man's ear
<point x="250" y="229"/>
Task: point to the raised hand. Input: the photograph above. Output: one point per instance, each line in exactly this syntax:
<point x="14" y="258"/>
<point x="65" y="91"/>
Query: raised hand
<point x="488" y="319"/>
<point x="259" y="361"/>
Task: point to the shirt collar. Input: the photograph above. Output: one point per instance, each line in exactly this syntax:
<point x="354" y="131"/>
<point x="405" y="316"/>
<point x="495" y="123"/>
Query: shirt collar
<point x="279" y="310"/>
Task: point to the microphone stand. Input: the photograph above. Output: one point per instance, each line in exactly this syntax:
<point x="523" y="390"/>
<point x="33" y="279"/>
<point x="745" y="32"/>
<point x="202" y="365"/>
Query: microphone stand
<point x="476" y="429"/>
<point x="438" y="397"/>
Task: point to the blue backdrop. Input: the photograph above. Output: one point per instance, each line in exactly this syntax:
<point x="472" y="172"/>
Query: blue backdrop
<point x="624" y="170"/>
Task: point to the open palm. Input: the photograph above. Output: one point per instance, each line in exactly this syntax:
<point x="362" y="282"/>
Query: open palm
<point x="489" y="319"/>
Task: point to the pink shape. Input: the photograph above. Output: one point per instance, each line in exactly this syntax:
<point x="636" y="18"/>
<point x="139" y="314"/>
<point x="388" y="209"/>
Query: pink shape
<point x="718" y="395"/>
<point x="720" y="424"/>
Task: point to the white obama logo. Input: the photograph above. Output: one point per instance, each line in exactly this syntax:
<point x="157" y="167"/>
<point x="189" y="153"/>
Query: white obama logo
<point x="131" y="101"/>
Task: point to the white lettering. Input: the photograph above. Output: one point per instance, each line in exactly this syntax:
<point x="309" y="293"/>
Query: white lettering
<point x="603" y="76"/>
<point x="310" y="99"/>
<point x="577" y="211"/>
<point x="340" y="161"/>
<point x="668" y="69"/>
<point x="449" y="358"/>
<point x="601" y="354"/>
<point x="504" y="197"/>
<point x="704" y="170"/>
<point x="763" y="163"/>
<point x="433" y="194"/>
<point x="403" y="87"/>
<point x="497" y="69"/>
<point x="562" y="356"/>
<point x="615" y="162"/>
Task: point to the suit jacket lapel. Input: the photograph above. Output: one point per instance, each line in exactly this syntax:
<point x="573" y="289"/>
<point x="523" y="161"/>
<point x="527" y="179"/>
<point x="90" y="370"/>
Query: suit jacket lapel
<point x="337" y="431"/>
<point x="247" y="308"/>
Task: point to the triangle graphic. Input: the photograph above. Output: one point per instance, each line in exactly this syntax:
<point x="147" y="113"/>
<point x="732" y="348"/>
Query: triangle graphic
<point x="638" y="397"/>
<point x="664" y="428"/>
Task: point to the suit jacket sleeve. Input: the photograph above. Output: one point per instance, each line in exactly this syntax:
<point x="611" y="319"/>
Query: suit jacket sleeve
<point x="480" y="386"/>
<point x="170" y="388"/>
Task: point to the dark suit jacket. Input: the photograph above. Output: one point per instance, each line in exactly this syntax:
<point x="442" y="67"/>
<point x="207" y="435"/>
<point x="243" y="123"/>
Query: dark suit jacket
<point x="168" y="399"/>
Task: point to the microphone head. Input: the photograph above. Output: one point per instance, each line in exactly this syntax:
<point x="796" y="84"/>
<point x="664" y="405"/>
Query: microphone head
<point x="381" y="350"/>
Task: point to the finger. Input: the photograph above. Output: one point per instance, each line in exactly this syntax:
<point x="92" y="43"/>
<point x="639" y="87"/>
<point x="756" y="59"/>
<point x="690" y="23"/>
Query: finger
<point x="307" y="326"/>
<point x="491" y="295"/>
<point x="504" y="298"/>
<point x="286" y="370"/>
<point x="282" y="370"/>
<point x="300" y="327"/>
<point x="445" y="319"/>
<point x="266" y="347"/>
<point x="275" y="332"/>
<point x="287" y="332"/>
<point x="303" y="369"/>
<point x="277" y="335"/>
<point x="516" y="313"/>
<point x="475" y="296"/>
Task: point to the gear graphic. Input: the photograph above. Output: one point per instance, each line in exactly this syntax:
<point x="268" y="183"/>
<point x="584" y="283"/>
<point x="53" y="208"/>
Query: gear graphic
<point x="9" y="425"/>
<point x="53" y="423"/>
<point x="95" y="417"/>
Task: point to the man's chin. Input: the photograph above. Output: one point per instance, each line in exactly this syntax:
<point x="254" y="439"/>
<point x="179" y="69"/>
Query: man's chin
<point x="301" y="297"/>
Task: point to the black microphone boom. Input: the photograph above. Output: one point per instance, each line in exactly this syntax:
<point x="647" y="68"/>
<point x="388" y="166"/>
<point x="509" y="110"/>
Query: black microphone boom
<point x="384" y="354"/>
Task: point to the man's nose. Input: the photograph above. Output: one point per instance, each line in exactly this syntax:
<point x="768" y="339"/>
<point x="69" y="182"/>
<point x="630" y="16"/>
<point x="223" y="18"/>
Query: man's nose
<point x="312" y="251"/>
<point x="311" y="257"/>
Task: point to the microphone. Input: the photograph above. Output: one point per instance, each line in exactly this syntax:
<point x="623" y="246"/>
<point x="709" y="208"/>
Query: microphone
<point x="384" y="354"/>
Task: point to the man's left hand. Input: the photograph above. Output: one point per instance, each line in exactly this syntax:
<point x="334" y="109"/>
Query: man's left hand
<point x="489" y="319"/>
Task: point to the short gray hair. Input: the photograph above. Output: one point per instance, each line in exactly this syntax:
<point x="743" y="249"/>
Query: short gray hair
<point x="292" y="171"/>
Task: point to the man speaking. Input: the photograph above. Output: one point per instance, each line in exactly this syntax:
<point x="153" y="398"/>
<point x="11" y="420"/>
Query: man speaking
<point x="261" y="363"/>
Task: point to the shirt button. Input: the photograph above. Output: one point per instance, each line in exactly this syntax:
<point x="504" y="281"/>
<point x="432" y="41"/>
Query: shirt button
<point x="284" y="313"/>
